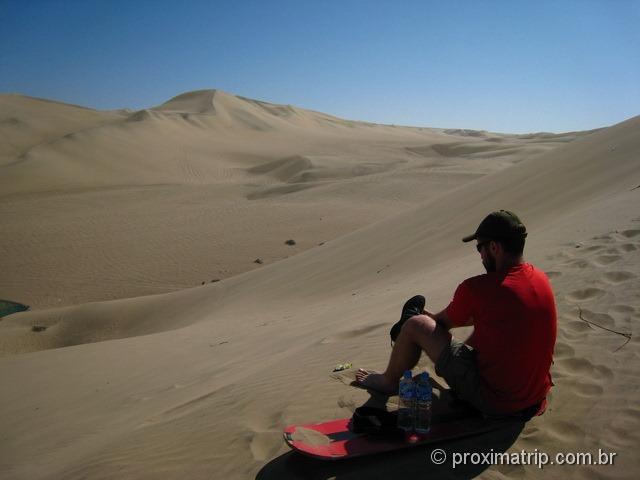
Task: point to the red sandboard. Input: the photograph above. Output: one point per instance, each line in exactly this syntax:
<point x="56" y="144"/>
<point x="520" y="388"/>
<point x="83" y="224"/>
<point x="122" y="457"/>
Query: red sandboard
<point x="333" y="440"/>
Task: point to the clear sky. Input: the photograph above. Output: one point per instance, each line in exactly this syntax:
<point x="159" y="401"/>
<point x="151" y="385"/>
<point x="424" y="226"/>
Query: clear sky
<point x="510" y="66"/>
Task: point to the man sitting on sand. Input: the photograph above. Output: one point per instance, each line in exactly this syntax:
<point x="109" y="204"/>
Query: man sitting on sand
<point x="503" y="368"/>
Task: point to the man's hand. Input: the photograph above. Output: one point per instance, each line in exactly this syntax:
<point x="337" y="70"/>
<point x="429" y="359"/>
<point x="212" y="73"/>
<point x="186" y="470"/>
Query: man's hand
<point x="442" y="319"/>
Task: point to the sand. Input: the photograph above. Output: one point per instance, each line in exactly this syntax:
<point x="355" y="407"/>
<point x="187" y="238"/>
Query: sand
<point x="169" y="353"/>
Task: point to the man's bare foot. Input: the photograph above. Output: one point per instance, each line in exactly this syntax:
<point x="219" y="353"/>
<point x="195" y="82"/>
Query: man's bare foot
<point x="375" y="381"/>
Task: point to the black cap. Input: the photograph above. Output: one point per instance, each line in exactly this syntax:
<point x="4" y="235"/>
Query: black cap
<point x="502" y="224"/>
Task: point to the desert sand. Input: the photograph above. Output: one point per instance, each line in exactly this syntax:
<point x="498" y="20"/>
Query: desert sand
<point x="168" y="352"/>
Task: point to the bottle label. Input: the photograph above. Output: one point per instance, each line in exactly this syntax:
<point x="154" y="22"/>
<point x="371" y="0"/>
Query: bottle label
<point x="407" y="390"/>
<point x="423" y="392"/>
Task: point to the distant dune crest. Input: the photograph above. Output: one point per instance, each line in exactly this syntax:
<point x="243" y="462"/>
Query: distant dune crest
<point x="236" y="111"/>
<point x="198" y="101"/>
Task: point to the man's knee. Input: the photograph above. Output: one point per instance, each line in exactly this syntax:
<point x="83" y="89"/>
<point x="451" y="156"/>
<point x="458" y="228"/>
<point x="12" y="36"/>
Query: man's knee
<point x="419" y="324"/>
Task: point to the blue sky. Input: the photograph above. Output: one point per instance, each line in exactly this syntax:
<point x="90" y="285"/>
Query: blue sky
<point x="510" y="66"/>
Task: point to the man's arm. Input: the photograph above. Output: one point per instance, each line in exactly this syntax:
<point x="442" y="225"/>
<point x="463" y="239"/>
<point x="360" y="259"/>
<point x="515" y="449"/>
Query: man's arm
<point x="442" y="319"/>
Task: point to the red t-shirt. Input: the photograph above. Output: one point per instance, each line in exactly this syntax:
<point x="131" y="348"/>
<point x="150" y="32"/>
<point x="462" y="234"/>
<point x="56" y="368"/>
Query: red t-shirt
<point x="514" y="318"/>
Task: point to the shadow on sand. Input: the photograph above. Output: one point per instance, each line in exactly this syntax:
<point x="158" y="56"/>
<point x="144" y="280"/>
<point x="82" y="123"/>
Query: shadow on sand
<point x="410" y="463"/>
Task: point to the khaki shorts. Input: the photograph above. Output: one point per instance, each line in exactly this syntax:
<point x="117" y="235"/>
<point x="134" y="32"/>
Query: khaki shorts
<point x="457" y="365"/>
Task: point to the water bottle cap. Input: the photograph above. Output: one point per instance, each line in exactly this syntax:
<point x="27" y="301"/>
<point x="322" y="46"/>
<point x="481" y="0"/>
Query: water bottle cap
<point x="408" y="374"/>
<point x="424" y="376"/>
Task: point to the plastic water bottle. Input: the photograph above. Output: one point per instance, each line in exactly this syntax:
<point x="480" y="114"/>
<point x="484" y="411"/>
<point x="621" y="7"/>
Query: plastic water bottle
<point x="423" y="403"/>
<point x="406" y="402"/>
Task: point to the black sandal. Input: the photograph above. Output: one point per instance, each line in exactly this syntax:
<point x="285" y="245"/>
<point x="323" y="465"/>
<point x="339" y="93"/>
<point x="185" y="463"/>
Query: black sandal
<point x="412" y="307"/>
<point x="375" y="421"/>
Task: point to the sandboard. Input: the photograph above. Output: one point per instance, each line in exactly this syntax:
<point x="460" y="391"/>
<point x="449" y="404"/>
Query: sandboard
<point x="334" y="440"/>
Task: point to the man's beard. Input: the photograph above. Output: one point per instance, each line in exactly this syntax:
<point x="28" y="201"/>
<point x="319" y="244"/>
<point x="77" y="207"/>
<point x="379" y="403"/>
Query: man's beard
<point x="489" y="264"/>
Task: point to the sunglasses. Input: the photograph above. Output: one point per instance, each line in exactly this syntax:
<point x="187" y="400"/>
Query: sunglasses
<point x="480" y="245"/>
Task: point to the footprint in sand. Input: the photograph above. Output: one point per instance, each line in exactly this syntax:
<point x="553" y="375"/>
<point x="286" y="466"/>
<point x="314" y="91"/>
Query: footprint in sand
<point x="573" y="335"/>
<point x="585" y="389"/>
<point x="602" y="372"/>
<point x="577" y="326"/>
<point x="585" y="294"/>
<point x="602" y="319"/>
<point x="618" y="277"/>
<point x="623" y="309"/>
<point x="557" y="374"/>
<point x="602" y="237"/>
<point x="593" y="248"/>
<point x="577" y="263"/>
<point x="632" y="414"/>
<point x="624" y="425"/>
<point x="628" y="247"/>
<point x="566" y="432"/>
<point x="563" y="350"/>
<point x="553" y="274"/>
<point x="630" y="233"/>
<point x="580" y="366"/>
<point x="558" y="256"/>
<point x="607" y="259"/>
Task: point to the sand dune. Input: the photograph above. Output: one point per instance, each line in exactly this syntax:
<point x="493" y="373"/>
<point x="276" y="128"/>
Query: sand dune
<point x="26" y="122"/>
<point x="284" y="169"/>
<point x="224" y="109"/>
<point x="94" y="210"/>
<point x="408" y="244"/>
<point x="199" y="382"/>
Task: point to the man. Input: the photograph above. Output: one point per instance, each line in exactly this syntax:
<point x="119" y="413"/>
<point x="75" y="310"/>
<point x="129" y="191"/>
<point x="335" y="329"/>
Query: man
<point x="503" y="368"/>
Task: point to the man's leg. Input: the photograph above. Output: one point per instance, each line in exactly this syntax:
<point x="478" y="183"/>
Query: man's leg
<point x="419" y="333"/>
